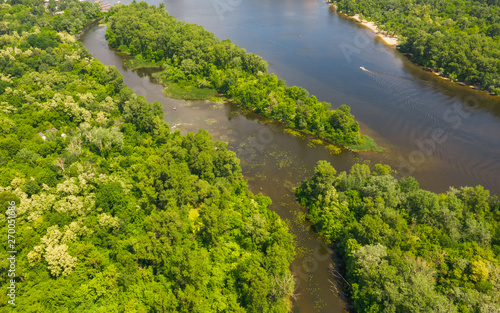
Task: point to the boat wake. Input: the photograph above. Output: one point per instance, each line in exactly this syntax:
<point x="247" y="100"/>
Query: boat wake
<point x="409" y="98"/>
<point x="402" y="88"/>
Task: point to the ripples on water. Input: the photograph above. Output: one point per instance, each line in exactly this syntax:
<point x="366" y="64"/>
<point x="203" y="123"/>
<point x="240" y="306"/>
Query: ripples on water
<point x="459" y="143"/>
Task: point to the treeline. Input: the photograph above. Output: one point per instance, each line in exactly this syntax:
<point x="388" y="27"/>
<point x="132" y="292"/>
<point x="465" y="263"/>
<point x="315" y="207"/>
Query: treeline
<point x="460" y="39"/>
<point x="193" y="56"/>
<point x="406" y="249"/>
<point x="72" y="16"/>
<point x="114" y="212"/>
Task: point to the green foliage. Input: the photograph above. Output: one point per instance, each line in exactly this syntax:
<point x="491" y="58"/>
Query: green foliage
<point x="44" y="40"/>
<point x="114" y="212"/>
<point x="142" y="114"/>
<point x="197" y="65"/>
<point x="110" y="197"/>
<point x="406" y="249"/>
<point x="459" y="39"/>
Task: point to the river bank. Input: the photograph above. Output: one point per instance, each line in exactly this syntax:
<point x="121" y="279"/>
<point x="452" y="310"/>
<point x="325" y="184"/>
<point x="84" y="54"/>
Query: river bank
<point x="393" y="42"/>
<point x="440" y="75"/>
<point x="389" y="40"/>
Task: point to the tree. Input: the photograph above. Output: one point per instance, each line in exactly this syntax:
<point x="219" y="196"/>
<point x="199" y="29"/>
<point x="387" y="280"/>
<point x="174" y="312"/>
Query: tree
<point x="52" y="6"/>
<point x="142" y="114"/>
<point x="111" y="198"/>
<point x="407" y="249"/>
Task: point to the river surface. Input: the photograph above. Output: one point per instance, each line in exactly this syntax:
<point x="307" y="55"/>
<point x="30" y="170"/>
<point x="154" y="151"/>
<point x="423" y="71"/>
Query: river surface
<point x="441" y="133"/>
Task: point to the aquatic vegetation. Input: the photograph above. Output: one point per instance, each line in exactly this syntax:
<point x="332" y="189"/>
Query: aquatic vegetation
<point x="334" y="149"/>
<point x="313" y="142"/>
<point x="294" y="133"/>
<point x="210" y="121"/>
<point x="217" y="99"/>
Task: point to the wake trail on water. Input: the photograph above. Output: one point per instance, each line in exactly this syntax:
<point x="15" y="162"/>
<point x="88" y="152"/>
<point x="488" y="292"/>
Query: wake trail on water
<point x="409" y="96"/>
<point x="473" y="169"/>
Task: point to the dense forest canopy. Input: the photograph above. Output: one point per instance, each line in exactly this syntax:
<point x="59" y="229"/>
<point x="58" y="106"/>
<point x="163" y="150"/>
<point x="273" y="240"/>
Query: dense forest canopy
<point x="459" y="38"/>
<point x="406" y="249"/>
<point x="114" y="212"/>
<point x="193" y="56"/>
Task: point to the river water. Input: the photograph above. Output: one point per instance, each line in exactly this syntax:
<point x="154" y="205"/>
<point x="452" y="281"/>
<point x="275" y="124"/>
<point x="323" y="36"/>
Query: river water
<point x="443" y="134"/>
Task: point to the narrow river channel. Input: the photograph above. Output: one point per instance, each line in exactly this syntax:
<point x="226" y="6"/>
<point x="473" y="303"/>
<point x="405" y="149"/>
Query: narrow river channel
<point x="273" y="162"/>
<point x="397" y="103"/>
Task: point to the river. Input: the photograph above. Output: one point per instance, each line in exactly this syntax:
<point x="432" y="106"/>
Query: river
<point x="443" y="134"/>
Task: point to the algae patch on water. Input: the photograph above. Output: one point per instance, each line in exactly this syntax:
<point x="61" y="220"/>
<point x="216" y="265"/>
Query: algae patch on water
<point x="210" y="121"/>
<point x="295" y="133"/>
<point x="217" y="99"/>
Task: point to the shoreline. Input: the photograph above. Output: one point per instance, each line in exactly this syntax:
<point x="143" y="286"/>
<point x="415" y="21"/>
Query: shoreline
<point x="389" y="40"/>
<point x="440" y="75"/>
<point x="368" y="146"/>
<point x="392" y="41"/>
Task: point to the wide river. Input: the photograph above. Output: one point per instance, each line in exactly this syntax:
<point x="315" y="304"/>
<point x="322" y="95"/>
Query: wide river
<point x="441" y="133"/>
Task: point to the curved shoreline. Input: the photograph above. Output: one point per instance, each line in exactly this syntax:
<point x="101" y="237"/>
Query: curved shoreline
<point x="368" y="146"/>
<point x="392" y="41"/>
<point x="389" y="40"/>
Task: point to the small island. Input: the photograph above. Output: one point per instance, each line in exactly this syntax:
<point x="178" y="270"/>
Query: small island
<point x="196" y="65"/>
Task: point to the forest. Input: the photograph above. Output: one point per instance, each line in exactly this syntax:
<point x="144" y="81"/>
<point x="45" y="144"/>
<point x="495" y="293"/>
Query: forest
<point x="459" y="39"/>
<point x="114" y="212"/>
<point x="405" y="249"/>
<point x="193" y="58"/>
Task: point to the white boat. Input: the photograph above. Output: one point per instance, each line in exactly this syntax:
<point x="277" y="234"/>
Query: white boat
<point x="362" y="68"/>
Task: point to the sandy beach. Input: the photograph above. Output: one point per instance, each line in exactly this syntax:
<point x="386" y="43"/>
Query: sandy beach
<point x="391" y="41"/>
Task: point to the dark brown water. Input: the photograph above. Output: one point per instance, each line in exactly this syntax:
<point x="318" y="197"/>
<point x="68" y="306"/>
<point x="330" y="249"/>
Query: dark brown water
<point x="441" y="133"/>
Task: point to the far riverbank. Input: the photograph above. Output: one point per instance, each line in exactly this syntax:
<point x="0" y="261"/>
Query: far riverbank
<point x="393" y="42"/>
<point x="389" y="40"/>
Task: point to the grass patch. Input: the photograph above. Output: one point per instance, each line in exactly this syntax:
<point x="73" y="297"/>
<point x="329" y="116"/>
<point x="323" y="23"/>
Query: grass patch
<point x="177" y="91"/>
<point x="183" y="90"/>
<point x="136" y="63"/>
<point x="369" y="144"/>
